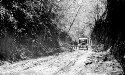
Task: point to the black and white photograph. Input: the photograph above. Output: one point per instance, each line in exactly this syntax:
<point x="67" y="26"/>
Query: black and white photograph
<point x="62" y="37"/>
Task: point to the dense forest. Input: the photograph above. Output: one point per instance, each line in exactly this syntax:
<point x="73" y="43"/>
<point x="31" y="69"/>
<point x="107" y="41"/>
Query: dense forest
<point x="28" y="29"/>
